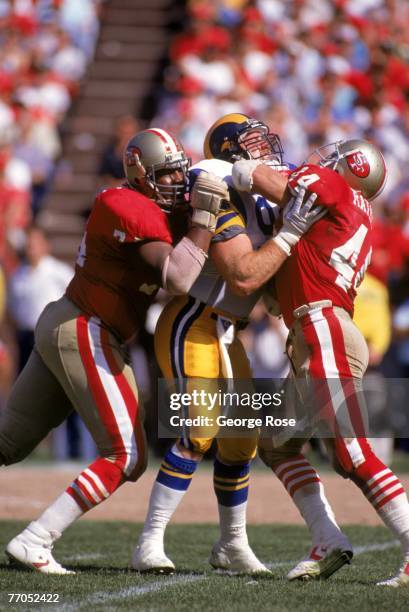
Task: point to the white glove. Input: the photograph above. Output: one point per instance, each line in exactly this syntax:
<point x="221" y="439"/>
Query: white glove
<point x="242" y="174"/>
<point x="297" y="219"/>
<point x="207" y="196"/>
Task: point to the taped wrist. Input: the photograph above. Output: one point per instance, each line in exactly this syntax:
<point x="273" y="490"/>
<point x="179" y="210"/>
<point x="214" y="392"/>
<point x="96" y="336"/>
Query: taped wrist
<point x="282" y="242"/>
<point x="204" y="219"/>
<point x="182" y="267"/>
<point x="242" y="174"/>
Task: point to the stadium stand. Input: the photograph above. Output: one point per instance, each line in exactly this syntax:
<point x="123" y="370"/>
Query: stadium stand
<point x="133" y="40"/>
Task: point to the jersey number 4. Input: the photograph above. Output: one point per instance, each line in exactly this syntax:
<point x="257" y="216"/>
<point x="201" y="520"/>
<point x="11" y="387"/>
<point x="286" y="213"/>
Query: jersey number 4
<point x="344" y="258"/>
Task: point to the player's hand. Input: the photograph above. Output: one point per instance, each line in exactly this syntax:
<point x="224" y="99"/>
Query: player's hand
<point x="207" y="196"/>
<point x="298" y="216"/>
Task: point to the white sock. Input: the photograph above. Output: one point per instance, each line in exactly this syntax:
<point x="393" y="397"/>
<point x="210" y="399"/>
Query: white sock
<point x="304" y="485"/>
<point x="162" y="505"/>
<point x="174" y="477"/>
<point x="395" y="515"/>
<point x="233" y="524"/>
<point x="60" y="515"/>
<point x="318" y="515"/>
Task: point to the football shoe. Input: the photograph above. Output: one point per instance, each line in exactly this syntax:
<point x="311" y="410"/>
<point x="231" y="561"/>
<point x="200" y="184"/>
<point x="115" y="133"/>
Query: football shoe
<point x="32" y="549"/>
<point x="149" y="557"/>
<point x="236" y="558"/>
<point x="400" y="580"/>
<point x="321" y="563"/>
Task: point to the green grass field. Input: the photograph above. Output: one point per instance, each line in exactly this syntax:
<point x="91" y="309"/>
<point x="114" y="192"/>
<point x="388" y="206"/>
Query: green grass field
<point x="100" y="553"/>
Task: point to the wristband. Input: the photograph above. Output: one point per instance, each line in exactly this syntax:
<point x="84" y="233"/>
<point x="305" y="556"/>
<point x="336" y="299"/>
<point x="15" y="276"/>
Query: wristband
<point x="283" y="244"/>
<point x="242" y="174"/>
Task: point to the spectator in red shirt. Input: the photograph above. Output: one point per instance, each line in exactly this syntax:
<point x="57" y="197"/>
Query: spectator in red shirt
<point x="15" y="213"/>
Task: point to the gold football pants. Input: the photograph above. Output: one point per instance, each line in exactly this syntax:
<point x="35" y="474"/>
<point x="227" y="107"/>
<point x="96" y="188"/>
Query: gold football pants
<point x="76" y="363"/>
<point x="188" y="346"/>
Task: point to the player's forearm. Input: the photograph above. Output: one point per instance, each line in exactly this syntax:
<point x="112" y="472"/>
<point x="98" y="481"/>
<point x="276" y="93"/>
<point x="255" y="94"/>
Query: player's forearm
<point x="253" y="177"/>
<point x="200" y="237"/>
<point x="255" y="268"/>
<point x="177" y="268"/>
<point x="270" y="184"/>
<point x="183" y="264"/>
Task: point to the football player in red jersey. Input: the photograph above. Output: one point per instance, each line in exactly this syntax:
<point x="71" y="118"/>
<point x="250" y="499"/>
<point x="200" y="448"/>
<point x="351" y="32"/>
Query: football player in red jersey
<point x="316" y="287"/>
<point x="78" y="362"/>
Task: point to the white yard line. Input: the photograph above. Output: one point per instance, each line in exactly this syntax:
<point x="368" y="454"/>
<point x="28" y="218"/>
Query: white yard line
<point x="360" y="550"/>
<point x="103" y="597"/>
<point x="83" y="557"/>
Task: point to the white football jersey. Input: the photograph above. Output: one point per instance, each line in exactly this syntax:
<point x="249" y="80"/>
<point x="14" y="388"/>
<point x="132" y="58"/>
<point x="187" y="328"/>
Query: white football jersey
<point x="250" y="214"/>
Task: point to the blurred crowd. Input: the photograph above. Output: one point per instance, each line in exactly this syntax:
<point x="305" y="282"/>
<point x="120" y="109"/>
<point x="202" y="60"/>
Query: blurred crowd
<point x="314" y="70"/>
<point x="45" y="47"/>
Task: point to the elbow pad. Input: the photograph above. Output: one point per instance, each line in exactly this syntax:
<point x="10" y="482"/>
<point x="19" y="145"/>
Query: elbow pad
<point x="182" y="267"/>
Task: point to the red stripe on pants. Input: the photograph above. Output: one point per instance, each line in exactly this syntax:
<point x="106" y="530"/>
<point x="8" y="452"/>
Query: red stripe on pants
<point x="129" y="398"/>
<point x="101" y="400"/>
<point x="321" y="390"/>
<point x="344" y="369"/>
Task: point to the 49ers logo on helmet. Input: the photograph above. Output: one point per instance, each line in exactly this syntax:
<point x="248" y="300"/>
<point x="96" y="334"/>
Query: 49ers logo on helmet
<point x="358" y="164"/>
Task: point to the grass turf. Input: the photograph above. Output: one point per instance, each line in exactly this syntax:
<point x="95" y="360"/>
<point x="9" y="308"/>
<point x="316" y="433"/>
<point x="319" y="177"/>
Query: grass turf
<point x="100" y="554"/>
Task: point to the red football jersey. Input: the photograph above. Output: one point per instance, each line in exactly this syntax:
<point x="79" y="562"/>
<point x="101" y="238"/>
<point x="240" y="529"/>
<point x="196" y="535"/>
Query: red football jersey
<point x="329" y="262"/>
<point x="111" y="281"/>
